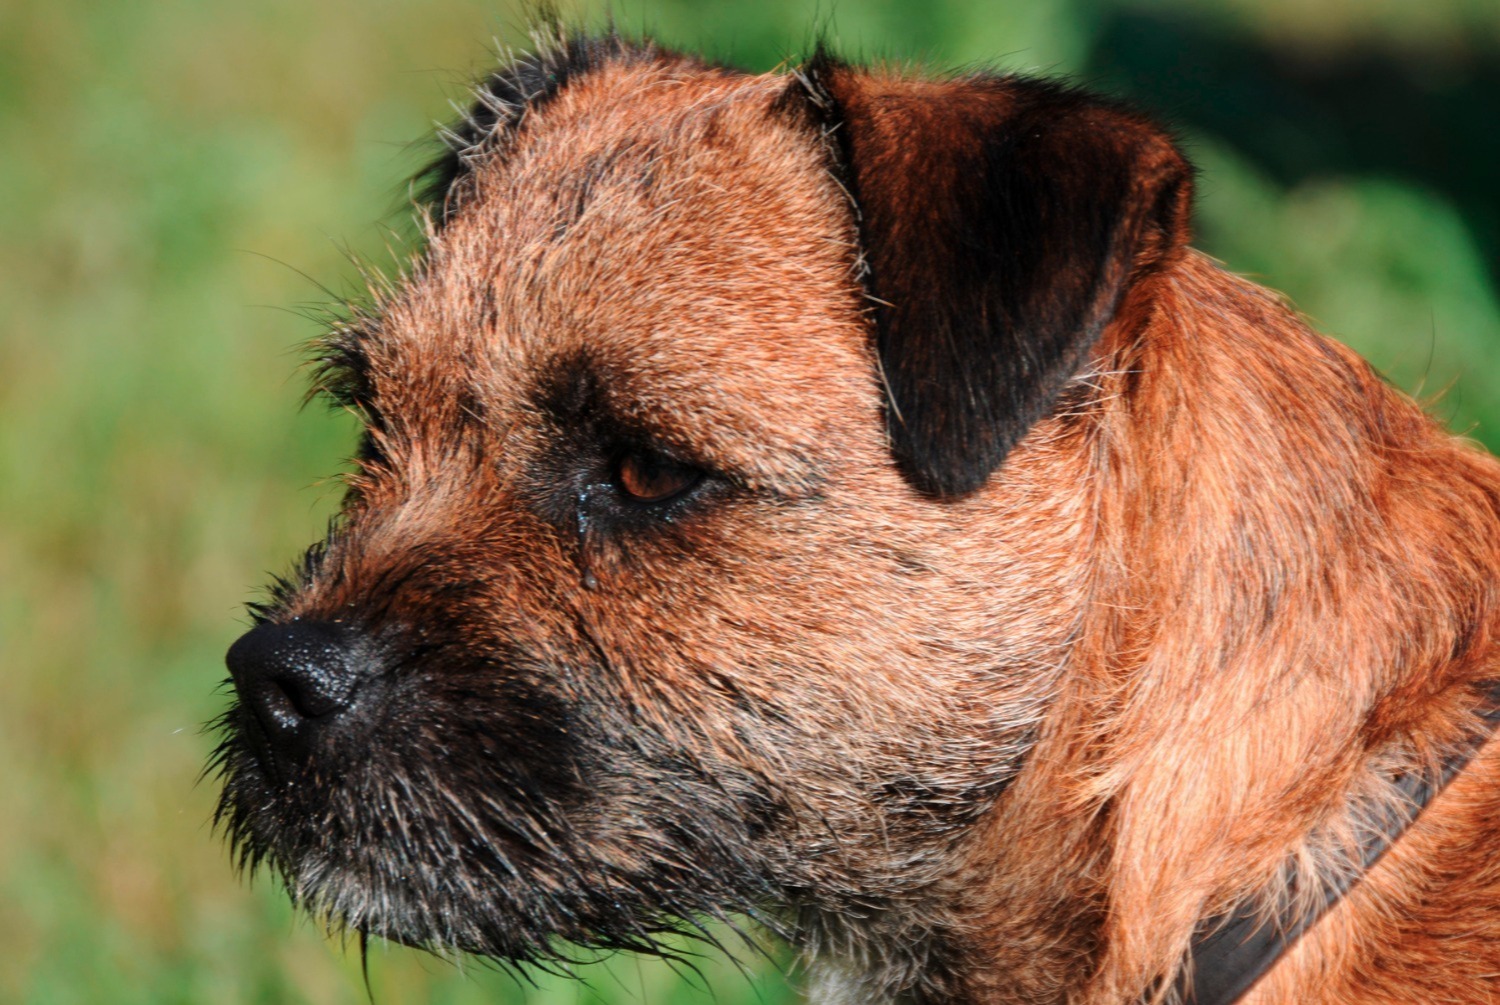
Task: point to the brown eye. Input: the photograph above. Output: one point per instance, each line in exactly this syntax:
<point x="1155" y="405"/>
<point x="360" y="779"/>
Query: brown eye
<point x="651" y="478"/>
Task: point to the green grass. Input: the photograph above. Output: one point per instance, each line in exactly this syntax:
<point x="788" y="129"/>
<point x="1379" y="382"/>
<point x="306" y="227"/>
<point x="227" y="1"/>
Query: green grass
<point x="170" y="170"/>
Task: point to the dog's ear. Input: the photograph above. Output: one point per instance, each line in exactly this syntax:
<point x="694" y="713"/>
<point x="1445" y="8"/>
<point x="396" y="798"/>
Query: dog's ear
<point x="1002" y="220"/>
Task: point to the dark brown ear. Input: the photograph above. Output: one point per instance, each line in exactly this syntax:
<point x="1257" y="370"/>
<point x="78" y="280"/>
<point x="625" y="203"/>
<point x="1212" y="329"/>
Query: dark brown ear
<point x="1002" y="220"/>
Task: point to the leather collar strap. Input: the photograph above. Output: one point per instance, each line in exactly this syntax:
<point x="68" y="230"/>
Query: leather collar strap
<point x="1233" y="951"/>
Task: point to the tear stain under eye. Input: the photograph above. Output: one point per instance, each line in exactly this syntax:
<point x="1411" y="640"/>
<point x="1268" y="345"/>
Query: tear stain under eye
<point x="582" y="502"/>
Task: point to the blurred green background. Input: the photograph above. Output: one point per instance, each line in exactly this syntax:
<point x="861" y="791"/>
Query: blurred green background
<point x="170" y="170"/>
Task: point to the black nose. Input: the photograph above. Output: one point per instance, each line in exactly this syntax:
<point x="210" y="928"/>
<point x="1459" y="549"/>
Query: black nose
<point x="294" y="680"/>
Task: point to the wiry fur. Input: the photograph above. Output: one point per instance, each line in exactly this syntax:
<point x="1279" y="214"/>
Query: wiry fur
<point x="1013" y="744"/>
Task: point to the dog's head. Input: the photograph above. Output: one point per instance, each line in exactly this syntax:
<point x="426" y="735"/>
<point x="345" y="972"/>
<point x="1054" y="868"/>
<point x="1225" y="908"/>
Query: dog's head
<point x="673" y="578"/>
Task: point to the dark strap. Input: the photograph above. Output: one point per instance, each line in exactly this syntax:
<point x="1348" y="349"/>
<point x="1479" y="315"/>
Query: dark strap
<point x="1233" y="951"/>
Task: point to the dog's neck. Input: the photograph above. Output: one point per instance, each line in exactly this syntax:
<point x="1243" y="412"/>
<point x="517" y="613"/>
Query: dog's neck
<point x="1259" y="660"/>
<point x="1230" y="953"/>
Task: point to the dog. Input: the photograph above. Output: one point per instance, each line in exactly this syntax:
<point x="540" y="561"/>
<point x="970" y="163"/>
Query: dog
<point x="842" y="498"/>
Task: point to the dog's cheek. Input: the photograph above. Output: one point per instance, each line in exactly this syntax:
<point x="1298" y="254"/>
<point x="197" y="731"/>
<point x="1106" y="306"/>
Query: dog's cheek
<point x="764" y="626"/>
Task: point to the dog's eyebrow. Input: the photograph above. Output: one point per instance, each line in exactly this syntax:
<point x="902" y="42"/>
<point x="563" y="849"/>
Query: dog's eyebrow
<point x="592" y="401"/>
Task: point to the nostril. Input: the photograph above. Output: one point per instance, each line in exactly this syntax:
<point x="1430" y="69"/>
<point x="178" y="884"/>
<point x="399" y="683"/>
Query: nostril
<point x="309" y="695"/>
<point x="289" y="701"/>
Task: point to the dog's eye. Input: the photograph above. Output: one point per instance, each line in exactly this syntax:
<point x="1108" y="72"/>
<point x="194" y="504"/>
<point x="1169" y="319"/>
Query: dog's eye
<point x="646" y="477"/>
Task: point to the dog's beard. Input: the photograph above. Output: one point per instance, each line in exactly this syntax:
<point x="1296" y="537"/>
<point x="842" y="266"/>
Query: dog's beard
<point x="431" y="834"/>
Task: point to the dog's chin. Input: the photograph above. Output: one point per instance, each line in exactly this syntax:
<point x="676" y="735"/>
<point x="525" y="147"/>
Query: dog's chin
<point x="363" y="847"/>
<point x="410" y="909"/>
<point x="386" y="846"/>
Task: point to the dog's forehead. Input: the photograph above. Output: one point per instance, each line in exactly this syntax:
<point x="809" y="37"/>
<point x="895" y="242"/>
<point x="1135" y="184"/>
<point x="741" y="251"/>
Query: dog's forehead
<point x="663" y="225"/>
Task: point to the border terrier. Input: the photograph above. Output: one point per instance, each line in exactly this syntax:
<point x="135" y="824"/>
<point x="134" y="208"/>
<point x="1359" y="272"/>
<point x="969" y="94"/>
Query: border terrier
<point x="843" y="498"/>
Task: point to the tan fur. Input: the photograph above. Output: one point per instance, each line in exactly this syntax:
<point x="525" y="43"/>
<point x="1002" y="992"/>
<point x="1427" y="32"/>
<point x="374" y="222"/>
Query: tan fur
<point x="1229" y="587"/>
<point x="1298" y="585"/>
